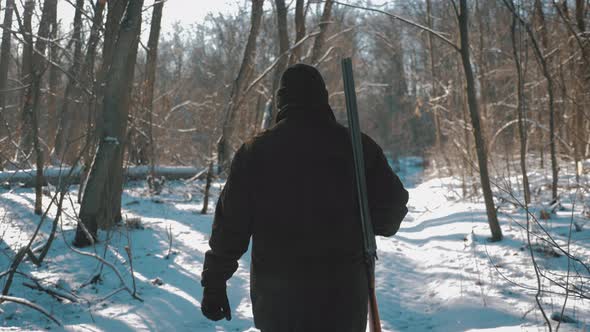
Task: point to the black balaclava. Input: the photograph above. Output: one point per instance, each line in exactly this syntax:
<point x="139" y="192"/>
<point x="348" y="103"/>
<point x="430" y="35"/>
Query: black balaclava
<point x="302" y="85"/>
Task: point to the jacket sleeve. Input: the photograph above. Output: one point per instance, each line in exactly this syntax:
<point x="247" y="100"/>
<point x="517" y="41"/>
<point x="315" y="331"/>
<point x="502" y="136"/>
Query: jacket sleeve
<point x="231" y="230"/>
<point x="387" y="195"/>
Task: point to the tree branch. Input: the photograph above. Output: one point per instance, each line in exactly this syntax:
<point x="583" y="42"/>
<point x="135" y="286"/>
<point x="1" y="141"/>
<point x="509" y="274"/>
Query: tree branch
<point x="4" y="298"/>
<point x="407" y="21"/>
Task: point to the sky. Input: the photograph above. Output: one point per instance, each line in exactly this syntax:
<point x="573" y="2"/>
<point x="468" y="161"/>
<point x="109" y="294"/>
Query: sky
<point x="185" y="12"/>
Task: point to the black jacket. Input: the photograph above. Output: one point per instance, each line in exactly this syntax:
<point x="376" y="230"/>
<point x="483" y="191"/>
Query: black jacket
<point x="292" y="190"/>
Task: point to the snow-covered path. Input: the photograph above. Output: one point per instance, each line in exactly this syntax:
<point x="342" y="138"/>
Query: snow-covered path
<point x="434" y="275"/>
<point x="425" y="274"/>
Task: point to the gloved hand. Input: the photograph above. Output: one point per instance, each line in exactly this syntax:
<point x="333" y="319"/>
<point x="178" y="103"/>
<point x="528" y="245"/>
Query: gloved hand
<point x="215" y="304"/>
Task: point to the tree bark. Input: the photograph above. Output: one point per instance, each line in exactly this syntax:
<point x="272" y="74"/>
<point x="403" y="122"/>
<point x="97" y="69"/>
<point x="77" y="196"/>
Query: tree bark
<point x="283" y="36"/>
<point x="5" y="52"/>
<point x="25" y="141"/>
<point x="475" y="121"/>
<point x="77" y="98"/>
<point x="27" y="178"/>
<point x="54" y="82"/>
<point x="299" y="30"/>
<point x="67" y="133"/>
<point x="538" y="50"/>
<point x="521" y="113"/>
<point x="246" y="70"/>
<point x="318" y="44"/>
<point x="36" y="67"/>
<point x="101" y="204"/>
<point x="116" y="10"/>
<point x="145" y="141"/>
<point x="438" y="136"/>
<point x="4" y="62"/>
<point x="582" y="88"/>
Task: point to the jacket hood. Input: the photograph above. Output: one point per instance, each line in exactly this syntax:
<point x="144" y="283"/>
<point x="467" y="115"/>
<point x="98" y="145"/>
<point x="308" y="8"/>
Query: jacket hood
<point x="303" y="85"/>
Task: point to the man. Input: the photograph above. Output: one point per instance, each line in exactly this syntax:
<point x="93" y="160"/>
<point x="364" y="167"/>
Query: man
<point x="292" y="189"/>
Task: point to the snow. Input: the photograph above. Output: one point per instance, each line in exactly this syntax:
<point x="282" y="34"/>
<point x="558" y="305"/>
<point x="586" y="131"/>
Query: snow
<point x="439" y="273"/>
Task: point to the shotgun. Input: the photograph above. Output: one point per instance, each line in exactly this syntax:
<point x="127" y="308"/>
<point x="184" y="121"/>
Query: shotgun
<point x="369" y="244"/>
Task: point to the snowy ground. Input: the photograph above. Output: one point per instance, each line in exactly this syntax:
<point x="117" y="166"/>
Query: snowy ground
<point x="439" y="273"/>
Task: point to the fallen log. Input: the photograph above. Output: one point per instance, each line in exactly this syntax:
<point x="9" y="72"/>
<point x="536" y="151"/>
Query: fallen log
<point x="58" y="175"/>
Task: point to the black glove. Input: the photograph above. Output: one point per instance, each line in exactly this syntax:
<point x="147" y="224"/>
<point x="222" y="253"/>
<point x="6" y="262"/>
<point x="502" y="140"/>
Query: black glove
<point x="215" y="304"/>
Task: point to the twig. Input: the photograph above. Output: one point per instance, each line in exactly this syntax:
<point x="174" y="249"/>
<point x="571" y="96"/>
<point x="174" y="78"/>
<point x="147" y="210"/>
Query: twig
<point x="104" y="262"/>
<point x="55" y="293"/>
<point x="111" y="294"/>
<point x="405" y="20"/>
<point x="270" y="68"/>
<point x="130" y="256"/>
<point x="5" y="298"/>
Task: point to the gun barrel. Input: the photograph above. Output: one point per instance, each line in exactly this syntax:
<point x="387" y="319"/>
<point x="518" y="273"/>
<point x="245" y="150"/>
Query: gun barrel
<point x="369" y="244"/>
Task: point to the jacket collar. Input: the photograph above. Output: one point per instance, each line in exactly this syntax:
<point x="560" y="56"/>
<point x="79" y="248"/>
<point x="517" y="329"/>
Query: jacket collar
<point x="311" y="113"/>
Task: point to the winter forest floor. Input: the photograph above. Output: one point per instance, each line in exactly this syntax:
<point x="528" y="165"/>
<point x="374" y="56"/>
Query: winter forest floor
<point x="439" y="273"/>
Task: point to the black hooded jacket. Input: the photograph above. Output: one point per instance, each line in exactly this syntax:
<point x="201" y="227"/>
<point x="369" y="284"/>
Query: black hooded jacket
<point x="292" y="190"/>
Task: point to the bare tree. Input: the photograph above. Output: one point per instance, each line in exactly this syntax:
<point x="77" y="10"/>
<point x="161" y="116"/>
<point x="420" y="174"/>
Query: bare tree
<point x="145" y="142"/>
<point x="480" y="147"/>
<point x="36" y="66"/>
<point x="25" y="144"/>
<point x="300" y="11"/>
<point x="54" y="79"/>
<point x="520" y="109"/>
<point x="318" y="44"/>
<point x="283" y="61"/>
<point x="67" y="135"/>
<point x="101" y="203"/>
<point x="116" y="10"/>
<point x="542" y="60"/>
<point x="244" y="74"/>
<point x="582" y="87"/>
<point x="433" y="74"/>
<point x="4" y="62"/>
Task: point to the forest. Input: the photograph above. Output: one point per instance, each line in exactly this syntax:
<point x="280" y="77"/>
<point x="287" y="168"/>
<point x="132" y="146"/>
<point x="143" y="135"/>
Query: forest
<point x="117" y="133"/>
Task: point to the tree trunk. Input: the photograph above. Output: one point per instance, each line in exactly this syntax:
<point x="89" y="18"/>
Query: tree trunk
<point x="475" y="121"/>
<point x="246" y="69"/>
<point x="582" y="88"/>
<point x="283" y="36"/>
<point x="36" y="67"/>
<point x="25" y="139"/>
<point x="438" y="138"/>
<point x="68" y="134"/>
<point x="116" y="10"/>
<point x="77" y="94"/>
<point x="4" y="62"/>
<point x="521" y="113"/>
<point x="101" y="203"/>
<point x="207" y="189"/>
<point x="5" y="52"/>
<point x="318" y="44"/>
<point x="299" y="30"/>
<point x="145" y="142"/>
<point x="546" y="73"/>
<point x="482" y="71"/>
<point x="26" y="178"/>
<point x="54" y="82"/>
